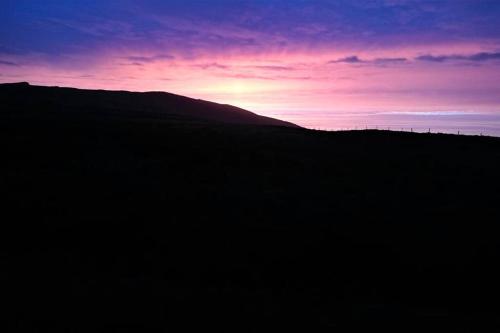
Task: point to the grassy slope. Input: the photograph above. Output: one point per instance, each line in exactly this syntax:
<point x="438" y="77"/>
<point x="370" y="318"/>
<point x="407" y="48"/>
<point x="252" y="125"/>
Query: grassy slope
<point x="120" y="224"/>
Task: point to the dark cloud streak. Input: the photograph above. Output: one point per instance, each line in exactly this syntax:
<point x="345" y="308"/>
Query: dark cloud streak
<point x="389" y="60"/>
<point x="479" y="57"/>
<point x="275" y="68"/>
<point x="211" y="66"/>
<point x="9" y="63"/>
<point x="144" y="59"/>
<point x="348" y="60"/>
<point x="356" y="60"/>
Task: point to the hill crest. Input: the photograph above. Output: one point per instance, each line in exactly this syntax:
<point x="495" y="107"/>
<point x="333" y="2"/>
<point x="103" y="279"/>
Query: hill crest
<point x="120" y="103"/>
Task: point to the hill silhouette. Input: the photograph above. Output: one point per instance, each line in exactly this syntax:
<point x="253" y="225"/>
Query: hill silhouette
<point x="156" y="223"/>
<point x="126" y="105"/>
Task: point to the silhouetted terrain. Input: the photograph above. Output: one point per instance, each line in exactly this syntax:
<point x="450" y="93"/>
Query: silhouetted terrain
<point x="154" y="221"/>
<point x="78" y="104"/>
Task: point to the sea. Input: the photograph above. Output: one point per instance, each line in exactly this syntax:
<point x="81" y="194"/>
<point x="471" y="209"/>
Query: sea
<point x="463" y="123"/>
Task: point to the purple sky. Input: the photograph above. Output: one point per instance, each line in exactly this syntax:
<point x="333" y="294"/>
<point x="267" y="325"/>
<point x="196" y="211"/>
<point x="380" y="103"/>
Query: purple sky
<point x="295" y="58"/>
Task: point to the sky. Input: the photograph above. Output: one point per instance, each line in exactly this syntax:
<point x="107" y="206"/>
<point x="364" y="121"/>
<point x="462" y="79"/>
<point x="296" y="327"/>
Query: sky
<point x="305" y="61"/>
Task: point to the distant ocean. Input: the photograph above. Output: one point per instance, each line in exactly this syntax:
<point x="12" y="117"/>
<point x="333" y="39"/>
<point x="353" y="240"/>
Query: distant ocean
<point x="467" y="123"/>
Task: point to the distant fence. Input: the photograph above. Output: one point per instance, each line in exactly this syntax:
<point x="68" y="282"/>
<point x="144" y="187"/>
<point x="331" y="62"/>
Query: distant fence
<point x="402" y="129"/>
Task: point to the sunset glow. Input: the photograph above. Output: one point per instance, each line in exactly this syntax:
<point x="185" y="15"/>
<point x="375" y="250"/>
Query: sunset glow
<point x="272" y="57"/>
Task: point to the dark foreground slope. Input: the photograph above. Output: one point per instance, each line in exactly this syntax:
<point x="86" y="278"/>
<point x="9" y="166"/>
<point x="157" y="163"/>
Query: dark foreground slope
<point x="118" y="225"/>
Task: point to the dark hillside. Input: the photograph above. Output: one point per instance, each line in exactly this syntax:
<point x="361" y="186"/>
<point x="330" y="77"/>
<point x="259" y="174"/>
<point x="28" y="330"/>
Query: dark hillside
<point x="144" y="224"/>
<point x="32" y="101"/>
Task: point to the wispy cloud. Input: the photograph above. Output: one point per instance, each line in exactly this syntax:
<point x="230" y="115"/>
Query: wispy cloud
<point x="274" y="68"/>
<point x="350" y="60"/>
<point x="389" y="60"/>
<point x="476" y="57"/>
<point x="246" y="76"/>
<point x="482" y="56"/>
<point x="212" y="65"/>
<point x="357" y="60"/>
<point x="250" y="76"/>
<point x="150" y="59"/>
<point x="8" y="63"/>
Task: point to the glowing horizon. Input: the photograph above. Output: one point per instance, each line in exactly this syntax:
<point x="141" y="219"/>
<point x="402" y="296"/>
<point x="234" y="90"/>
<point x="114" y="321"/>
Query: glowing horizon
<point x="272" y="57"/>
